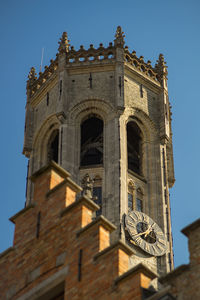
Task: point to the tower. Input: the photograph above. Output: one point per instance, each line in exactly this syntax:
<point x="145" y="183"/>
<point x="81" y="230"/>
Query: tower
<point x="104" y="116"/>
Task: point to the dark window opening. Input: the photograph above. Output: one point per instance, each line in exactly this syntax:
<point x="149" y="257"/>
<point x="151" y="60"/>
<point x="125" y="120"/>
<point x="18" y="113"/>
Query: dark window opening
<point x="53" y="146"/>
<point x="141" y="90"/>
<point x="59" y="297"/>
<point x="91" y="142"/>
<point x="97" y="192"/>
<point x="60" y="87"/>
<point x="130" y="201"/>
<point x="38" y="225"/>
<point x="47" y="98"/>
<point x="139" y="205"/>
<point x="134" y="147"/>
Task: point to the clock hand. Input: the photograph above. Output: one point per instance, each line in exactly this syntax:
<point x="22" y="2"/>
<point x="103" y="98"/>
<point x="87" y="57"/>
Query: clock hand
<point x="149" y="229"/>
<point x="141" y="233"/>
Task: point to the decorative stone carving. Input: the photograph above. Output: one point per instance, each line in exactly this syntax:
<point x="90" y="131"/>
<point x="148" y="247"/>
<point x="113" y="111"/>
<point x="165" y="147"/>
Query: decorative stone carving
<point x="87" y="184"/>
<point x="161" y="68"/>
<point x="64" y="43"/>
<point x="119" y="37"/>
<point x="32" y="77"/>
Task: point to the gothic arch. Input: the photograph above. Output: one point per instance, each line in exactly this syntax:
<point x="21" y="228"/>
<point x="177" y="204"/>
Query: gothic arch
<point x="78" y="113"/>
<point x="91" y="106"/>
<point x="41" y="140"/>
<point x="146" y="125"/>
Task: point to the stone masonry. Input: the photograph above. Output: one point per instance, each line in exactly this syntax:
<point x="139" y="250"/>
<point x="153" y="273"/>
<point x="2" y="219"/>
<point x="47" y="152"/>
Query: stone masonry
<point x="115" y="85"/>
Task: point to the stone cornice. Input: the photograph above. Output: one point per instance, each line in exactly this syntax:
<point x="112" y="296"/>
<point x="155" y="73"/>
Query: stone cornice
<point x="117" y="245"/>
<point x="101" y="220"/>
<point x="140" y="268"/>
<point x="68" y="182"/>
<point x="13" y="218"/>
<point x="82" y="201"/>
<point x="82" y="69"/>
<point x="54" y="166"/>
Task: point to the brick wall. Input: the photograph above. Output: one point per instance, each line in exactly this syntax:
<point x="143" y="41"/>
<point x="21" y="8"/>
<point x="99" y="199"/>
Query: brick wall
<point x="66" y="250"/>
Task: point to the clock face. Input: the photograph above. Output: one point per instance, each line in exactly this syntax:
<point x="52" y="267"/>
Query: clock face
<point x="146" y="233"/>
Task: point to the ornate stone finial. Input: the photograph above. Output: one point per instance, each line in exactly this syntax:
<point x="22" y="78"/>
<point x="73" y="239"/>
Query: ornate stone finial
<point x="161" y="68"/>
<point x="119" y="37"/>
<point x="32" y="74"/>
<point x="161" y="60"/>
<point x="32" y="77"/>
<point x="64" y="43"/>
<point x="87" y="184"/>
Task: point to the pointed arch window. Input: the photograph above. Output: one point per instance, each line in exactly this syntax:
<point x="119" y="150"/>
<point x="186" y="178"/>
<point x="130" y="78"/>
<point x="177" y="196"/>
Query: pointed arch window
<point x="52" y="151"/>
<point x="91" y="141"/>
<point x="134" y="139"/>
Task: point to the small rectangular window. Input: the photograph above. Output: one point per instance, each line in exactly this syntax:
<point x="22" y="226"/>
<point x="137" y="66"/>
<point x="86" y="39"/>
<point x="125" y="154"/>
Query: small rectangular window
<point x="139" y="204"/>
<point x="97" y="192"/>
<point x="130" y="201"/>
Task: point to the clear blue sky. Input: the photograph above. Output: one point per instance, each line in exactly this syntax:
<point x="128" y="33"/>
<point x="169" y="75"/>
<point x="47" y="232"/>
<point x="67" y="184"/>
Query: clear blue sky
<point x="151" y="27"/>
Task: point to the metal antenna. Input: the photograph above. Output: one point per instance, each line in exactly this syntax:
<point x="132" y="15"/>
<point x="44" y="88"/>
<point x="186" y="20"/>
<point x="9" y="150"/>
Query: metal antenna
<point x="41" y="60"/>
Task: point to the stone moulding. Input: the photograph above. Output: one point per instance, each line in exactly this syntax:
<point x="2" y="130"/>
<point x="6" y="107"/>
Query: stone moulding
<point x="117" y="245"/>
<point x="140" y="268"/>
<point x="98" y="221"/>
<point x="12" y="219"/>
<point x="83" y="201"/>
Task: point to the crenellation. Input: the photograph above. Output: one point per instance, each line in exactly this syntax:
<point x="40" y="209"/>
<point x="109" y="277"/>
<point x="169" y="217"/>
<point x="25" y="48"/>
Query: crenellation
<point x="140" y="65"/>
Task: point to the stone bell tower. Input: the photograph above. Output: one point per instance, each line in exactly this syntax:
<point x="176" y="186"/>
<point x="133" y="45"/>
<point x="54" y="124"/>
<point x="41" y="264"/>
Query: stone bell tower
<point x="103" y="114"/>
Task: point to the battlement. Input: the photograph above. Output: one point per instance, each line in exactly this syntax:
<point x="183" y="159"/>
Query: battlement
<point x="96" y="56"/>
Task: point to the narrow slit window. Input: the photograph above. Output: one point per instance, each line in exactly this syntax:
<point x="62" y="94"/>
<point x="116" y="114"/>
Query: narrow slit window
<point x="130" y="197"/>
<point x="130" y="201"/>
<point x="60" y="88"/>
<point x="47" y="98"/>
<point x="97" y="193"/>
<point x="139" y="205"/>
<point x="139" y="200"/>
<point x="141" y="90"/>
<point x="38" y="225"/>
